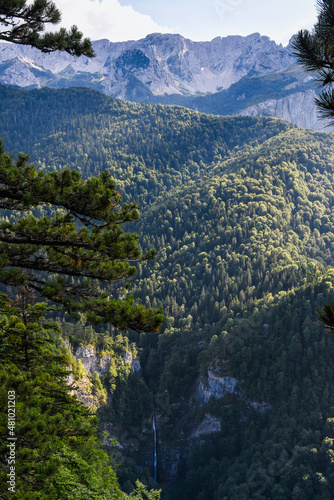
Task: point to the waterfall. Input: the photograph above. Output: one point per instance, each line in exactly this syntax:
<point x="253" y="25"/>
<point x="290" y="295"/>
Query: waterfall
<point x="155" y="462"/>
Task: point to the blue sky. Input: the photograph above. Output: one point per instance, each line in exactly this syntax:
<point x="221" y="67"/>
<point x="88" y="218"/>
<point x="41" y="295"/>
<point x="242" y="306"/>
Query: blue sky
<point x="120" y="20"/>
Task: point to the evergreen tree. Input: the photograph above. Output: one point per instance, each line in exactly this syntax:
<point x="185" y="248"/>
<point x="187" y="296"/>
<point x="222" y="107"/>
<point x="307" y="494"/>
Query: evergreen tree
<point x="23" y="22"/>
<point x="82" y="241"/>
<point x="315" y="51"/>
<point x="55" y="451"/>
<point x="55" y="435"/>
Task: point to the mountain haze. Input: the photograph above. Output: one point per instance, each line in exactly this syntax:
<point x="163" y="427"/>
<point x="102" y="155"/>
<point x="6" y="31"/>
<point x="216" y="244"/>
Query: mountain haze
<point x="249" y="75"/>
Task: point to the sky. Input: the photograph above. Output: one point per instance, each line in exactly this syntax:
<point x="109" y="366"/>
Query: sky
<point x="121" y="20"/>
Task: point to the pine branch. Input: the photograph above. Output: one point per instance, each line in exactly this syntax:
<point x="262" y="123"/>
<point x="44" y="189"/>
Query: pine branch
<point x="27" y="22"/>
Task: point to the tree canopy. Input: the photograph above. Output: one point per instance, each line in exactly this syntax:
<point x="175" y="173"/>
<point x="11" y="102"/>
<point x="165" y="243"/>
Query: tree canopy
<point x="24" y="23"/>
<point x="315" y="51"/>
<point x="75" y="242"/>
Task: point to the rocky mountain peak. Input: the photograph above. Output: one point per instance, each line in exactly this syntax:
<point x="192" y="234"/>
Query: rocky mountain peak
<point x="259" y="75"/>
<point x="162" y="63"/>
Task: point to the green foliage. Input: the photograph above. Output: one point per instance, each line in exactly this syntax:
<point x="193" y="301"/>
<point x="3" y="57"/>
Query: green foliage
<point x="141" y="492"/>
<point x="57" y="451"/>
<point x="242" y="218"/>
<point x="314" y="51"/>
<point x="58" y="454"/>
<point x="131" y="401"/>
<point x="23" y="23"/>
<point x="100" y="390"/>
<point x="247" y="248"/>
<point x="150" y="150"/>
<point x="85" y="241"/>
<point x="56" y="443"/>
<point x="248" y="91"/>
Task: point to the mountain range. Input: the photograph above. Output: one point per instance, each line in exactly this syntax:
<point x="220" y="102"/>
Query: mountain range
<point x="249" y="75"/>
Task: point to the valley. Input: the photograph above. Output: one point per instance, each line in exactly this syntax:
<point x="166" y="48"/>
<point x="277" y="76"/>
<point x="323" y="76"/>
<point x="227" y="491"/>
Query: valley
<point x="239" y="380"/>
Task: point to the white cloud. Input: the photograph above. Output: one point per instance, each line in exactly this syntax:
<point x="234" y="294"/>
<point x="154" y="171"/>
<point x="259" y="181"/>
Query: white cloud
<point x="107" y="19"/>
<point x="300" y="24"/>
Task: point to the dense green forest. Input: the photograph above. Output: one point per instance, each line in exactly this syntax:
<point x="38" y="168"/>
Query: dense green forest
<point x="240" y="211"/>
<point x="148" y="149"/>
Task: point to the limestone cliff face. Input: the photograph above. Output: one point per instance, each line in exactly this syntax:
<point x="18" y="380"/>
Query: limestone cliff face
<point x="84" y="391"/>
<point x="156" y="65"/>
<point x="91" y="362"/>
<point x="216" y="386"/>
<point x="163" y="65"/>
<point x="135" y="363"/>
<point x="210" y="425"/>
<point x="298" y="108"/>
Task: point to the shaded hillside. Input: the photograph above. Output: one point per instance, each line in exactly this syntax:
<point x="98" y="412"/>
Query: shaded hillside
<point x="241" y="213"/>
<point x="241" y="270"/>
<point x="149" y="149"/>
<point x="243" y="239"/>
<point x="249" y="90"/>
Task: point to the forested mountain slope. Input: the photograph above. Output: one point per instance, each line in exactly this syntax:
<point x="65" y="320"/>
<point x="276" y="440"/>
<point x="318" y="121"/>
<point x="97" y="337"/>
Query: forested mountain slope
<point x="149" y="149"/>
<point x="241" y="270"/>
<point x="241" y="213"/>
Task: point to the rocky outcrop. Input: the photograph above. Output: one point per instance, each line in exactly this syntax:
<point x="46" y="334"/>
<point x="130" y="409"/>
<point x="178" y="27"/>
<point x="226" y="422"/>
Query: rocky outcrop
<point x="91" y="362"/>
<point x="299" y="108"/>
<point x="216" y="386"/>
<point x="84" y="391"/>
<point x="210" y="425"/>
<point x="169" y="68"/>
<point x="135" y="363"/>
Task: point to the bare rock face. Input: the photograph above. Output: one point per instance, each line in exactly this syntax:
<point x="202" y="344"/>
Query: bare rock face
<point x="91" y="362"/>
<point x="216" y="387"/>
<point x="298" y="108"/>
<point x="128" y="358"/>
<point x="160" y="64"/>
<point x="84" y="391"/>
<point x="210" y="425"/>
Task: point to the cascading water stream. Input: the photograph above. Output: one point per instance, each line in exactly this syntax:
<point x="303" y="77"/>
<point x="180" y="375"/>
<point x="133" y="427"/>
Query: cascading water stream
<point x="155" y="462"/>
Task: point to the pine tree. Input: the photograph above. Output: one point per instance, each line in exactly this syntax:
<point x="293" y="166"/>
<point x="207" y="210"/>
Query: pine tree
<point x="56" y="452"/>
<point x="315" y="51"/>
<point x="23" y="22"/>
<point x="79" y="245"/>
<point x="55" y="435"/>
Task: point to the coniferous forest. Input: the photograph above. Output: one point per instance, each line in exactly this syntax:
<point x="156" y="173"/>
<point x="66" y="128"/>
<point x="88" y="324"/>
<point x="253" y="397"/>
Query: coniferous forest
<point x="239" y="378"/>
